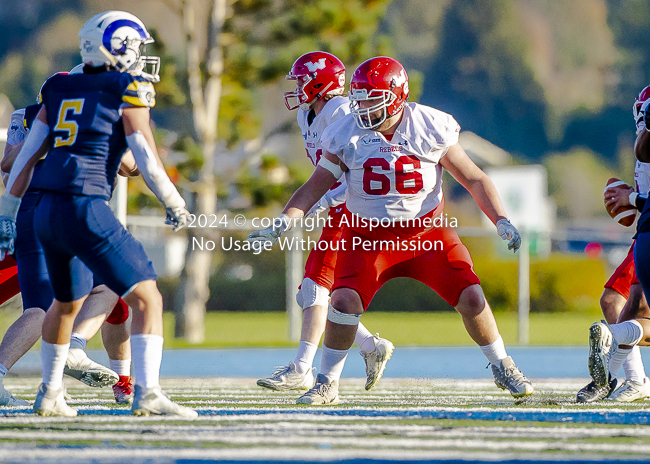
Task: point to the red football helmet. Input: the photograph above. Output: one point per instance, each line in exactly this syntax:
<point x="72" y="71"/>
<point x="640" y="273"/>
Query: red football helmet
<point x="316" y="74"/>
<point x="636" y="109"/>
<point x="380" y="78"/>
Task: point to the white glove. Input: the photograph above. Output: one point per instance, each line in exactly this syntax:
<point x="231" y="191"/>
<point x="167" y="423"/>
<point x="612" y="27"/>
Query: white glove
<point x="177" y="217"/>
<point x="9" y="206"/>
<point x="509" y="232"/>
<point x="320" y="206"/>
<point x="273" y="233"/>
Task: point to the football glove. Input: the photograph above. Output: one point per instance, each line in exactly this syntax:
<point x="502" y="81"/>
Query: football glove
<point x="509" y="232"/>
<point x="7" y="237"/>
<point x="177" y="217"/>
<point x="9" y="206"/>
<point x="273" y="233"/>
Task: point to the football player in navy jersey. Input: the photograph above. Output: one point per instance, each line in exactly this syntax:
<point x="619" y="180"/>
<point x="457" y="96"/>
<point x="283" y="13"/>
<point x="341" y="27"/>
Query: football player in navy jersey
<point x="86" y="123"/>
<point x="36" y="292"/>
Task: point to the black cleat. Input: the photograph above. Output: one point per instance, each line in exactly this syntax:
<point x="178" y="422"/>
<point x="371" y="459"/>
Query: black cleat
<point x="592" y="393"/>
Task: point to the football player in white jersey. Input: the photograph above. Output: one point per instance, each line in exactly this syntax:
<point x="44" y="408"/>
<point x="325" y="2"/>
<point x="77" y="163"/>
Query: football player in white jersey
<point x="393" y="153"/>
<point x="623" y="298"/>
<point x="320" y="83"/>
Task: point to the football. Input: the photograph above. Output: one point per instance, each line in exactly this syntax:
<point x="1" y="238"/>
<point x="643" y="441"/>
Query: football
<point x="625" y="215"/>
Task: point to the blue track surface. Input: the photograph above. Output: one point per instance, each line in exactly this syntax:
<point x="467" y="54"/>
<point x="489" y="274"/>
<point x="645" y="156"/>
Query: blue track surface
<point x="464" y="362"/>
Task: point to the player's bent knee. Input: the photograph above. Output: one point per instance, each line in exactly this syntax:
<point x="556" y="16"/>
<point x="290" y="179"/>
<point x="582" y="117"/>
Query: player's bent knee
<point x="471" y="301"/>
<point x="341" y="318"/>
<point x="347" y="300"/>
<point x="145" y="296"/>
<point x="312" y="294"/>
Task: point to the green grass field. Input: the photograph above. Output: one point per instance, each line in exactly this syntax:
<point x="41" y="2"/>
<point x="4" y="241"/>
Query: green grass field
<point x="270" y="329"/>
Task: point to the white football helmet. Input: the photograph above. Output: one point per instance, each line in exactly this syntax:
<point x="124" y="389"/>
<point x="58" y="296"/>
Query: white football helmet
<point x="124" y="36"/>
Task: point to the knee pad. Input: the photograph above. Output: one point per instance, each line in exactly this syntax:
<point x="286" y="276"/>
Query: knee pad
<point x="312" y="294"/>
<point x="120" y="313"/>
<point x="342" y="318"/>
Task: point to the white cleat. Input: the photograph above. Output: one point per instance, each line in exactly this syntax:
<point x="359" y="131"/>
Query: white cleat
<point x="81" y="367"/>
<point x="52" y="403"/>
<point x="601" y="343"/>
<point x="631" y="391"/>
<point x="508" y="377"/>
<point x="7" y="399"/>
<point x="286" y="378"/>
<point x="376" y="360"/>
<point x="324" y="392"/>
<point x="153" y="401"/>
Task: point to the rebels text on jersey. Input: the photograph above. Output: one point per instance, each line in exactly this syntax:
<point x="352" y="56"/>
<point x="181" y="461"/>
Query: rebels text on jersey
<point x="335" y="108"/>
<point x="84" y="113"/>
<point x="401" y="178"/>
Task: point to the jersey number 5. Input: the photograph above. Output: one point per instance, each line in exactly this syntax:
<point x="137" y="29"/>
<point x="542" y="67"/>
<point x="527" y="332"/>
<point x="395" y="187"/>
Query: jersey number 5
<point x="76" y="105"/>
<point x="407" y="180"/>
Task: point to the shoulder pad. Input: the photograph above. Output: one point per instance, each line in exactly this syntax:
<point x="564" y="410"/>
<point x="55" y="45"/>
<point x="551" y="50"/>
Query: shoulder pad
<point x="140" y="92"/>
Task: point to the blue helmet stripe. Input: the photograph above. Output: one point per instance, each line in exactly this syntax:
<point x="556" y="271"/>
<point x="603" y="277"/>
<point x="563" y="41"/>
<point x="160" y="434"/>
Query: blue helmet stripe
<point x="112" y="27"/>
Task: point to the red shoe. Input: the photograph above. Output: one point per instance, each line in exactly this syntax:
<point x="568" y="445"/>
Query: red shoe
<point x="123" y="390"/>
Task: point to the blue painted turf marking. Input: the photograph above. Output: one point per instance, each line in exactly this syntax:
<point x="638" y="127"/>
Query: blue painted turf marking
<point x="575" y="416"/>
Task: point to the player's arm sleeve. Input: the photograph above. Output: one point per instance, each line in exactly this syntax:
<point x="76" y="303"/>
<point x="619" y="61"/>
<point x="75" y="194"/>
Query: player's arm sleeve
<point x="154" y="176"/>
<point x="450" y="131"/>
<point x="140" y="92"/>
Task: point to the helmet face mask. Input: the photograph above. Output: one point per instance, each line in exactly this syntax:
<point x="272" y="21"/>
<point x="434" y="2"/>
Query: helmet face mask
<point x="383" y="83"/>
<point x="298" y="98"/>
<point x="316" y="74"/>
<point x="366" y="114"/>
<point x="124" y="37"/>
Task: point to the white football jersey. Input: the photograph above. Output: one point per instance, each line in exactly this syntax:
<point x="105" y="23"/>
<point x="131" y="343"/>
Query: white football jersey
<point x="397" y="178"/>
<point x="642" y="178"/>
<point x="334" y="109"/>
<point x="16" y="132"/>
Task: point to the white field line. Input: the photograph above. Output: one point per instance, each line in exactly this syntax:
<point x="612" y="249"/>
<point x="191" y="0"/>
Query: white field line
<point x="372" y="443"/>
<point x="264" y="454"/>
<point x="203" y="433"/>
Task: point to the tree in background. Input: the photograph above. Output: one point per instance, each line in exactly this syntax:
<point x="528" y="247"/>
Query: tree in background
<point x="250" y="43"/>
<point x="481" y="76"/>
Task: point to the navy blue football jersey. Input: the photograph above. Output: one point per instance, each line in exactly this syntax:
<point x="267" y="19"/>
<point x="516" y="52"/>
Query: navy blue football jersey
<point x="86" y="131"/>
<point x="643" y="223"/>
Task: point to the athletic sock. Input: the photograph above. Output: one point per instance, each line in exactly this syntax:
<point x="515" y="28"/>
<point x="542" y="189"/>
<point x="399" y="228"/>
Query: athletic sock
<point x="305" y="356"/>
<point x="495" y="351"/>
<point x="332" y="363"/>
<point x="633" y="366"/>
<point x="146" y="352"/>
<point x="53" y="358"/>
<point x="364" y="339"/>
<point x="616" y="359"/>
<point x="77" y="342"/>
<point x="3" y="371"/>
<point x="120" y="366"/>
<point x="627" y="333"/>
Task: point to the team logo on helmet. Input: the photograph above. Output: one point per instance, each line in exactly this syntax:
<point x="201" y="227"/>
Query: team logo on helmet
<point x="313" y="67"/>
<point x="316" y="74"/>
